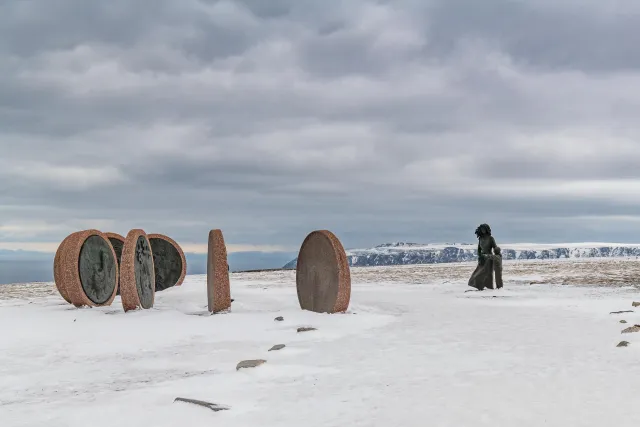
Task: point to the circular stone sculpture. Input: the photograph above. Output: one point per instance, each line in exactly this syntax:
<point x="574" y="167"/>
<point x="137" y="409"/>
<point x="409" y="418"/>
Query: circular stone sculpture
<point x="137" y="275"/>
<point x="169" y="262"/>
<point x="218" y="288"/>
<point x="86" y="269"/>
<point x="323" y="279"/>
<point x="117" y="241"/>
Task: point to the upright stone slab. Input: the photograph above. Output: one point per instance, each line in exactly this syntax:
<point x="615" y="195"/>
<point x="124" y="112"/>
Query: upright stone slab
<point x="168" y="261"/>
<point x="323" y="278"/>
<point x="137" y="275"/>
<point x="117" y="241"/>
<point x="218" y="288"/>
<point x="57" y="270"/>
<point x="86" y="270"/>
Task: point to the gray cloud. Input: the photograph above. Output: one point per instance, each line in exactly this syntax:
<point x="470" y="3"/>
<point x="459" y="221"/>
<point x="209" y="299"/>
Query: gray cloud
<point x="379" y="120"/>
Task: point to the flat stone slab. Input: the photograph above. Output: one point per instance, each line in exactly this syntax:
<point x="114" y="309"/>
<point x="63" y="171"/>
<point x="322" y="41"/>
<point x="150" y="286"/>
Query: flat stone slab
<point x="277" y="347"/>
<point x="250" y="364"/>
<point x="57" y="270"/>
<point x="218" y="287"/>
<point x="168" y="261"/>
<point x="306" y="329"/>
<point x="137" y="275"/>
<point x="86" y="269"/>
<point x="213" y="406"/>
<point x="323" y="278"/>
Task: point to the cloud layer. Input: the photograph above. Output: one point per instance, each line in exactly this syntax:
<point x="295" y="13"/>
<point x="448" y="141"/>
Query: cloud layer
<point x="379" y="120"/>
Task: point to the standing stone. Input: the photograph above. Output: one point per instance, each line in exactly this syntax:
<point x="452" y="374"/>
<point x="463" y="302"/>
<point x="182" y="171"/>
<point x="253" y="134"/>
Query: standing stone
<point x="168" y="261"/>
<point x="57" y="270"/>
<point x="137" y="275"/>
<point x="323" y="278"/>
<point x="86" y="270"/>
<point x="117" y="241"/>
<point x="218" y="287"/>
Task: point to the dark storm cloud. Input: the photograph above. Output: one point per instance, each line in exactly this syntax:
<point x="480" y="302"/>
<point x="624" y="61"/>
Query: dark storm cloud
<point x="379" y="120"/>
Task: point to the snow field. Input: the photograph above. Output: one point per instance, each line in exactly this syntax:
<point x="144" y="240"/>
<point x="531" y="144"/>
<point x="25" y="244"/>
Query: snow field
<point x="405" y="354"/>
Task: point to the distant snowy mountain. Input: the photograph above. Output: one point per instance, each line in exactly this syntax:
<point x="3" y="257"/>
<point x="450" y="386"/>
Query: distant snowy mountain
<point x="401" y="253"/>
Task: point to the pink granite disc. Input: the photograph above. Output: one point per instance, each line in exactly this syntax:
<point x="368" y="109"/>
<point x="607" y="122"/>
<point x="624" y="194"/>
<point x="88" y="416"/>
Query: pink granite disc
<point x="218" y="288"/>
<point x="88" y="270"/>
<point x="57" y="270"/>
<point x="117" y="241"/>
<point x="137" y="275"/>
<point x="323" y="278"/>
<point x="168" y="261"/>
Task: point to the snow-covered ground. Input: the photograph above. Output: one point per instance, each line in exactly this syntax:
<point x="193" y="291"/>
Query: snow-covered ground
<point x="414" y="349"/>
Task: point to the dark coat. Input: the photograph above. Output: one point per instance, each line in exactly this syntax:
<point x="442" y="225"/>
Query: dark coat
<point x="489" y="260"/>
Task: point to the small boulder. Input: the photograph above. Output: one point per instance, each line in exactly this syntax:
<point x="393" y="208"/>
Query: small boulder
<point x="623" y="321"/>
<point x="623" y="344"/>
<point x="279" y="319"/>
<point x="306" y="329"/>
<point x="277" y="347"/>
<point x="634" y="328"/>
<point x="636" y="304"/>
<point x="250" y="364"/>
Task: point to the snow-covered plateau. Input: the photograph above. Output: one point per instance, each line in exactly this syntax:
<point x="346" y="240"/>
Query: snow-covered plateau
<point x="414" y="349"/>
<point x="402" y="253"/>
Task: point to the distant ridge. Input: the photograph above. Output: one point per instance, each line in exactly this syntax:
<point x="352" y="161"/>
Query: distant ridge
<point x="405" y="253"/>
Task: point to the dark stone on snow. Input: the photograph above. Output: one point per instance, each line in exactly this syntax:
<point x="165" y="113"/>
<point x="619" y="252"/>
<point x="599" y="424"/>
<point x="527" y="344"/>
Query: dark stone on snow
<point x="213" y="406"/>
<point x="250" y="364"/>
<point x="631" y="329"/>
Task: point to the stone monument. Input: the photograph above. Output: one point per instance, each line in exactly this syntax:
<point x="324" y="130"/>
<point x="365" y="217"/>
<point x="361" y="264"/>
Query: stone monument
<point x="86" y="269"/>
<point x="117" y="241"/>
<point x="218" y="288"/>
<point x="57" y="270"/>
<point x="137" y="275"/>
<point x="169" y="262"/>
<point x="488" y="261"/>
<point x="323" y="278"/>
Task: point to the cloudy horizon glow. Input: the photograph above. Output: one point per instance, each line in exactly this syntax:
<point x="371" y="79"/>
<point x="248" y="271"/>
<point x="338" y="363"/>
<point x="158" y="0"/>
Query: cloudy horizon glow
<point x="379" y="120"/>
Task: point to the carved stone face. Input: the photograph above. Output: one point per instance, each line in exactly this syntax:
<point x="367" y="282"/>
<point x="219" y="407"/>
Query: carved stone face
<point x="483" y="230"/>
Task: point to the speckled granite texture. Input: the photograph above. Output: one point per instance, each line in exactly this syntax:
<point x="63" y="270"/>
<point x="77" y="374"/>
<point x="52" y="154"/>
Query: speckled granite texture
<point x="57" y="269"/>
<point x="218" y="287"/>
<point x="323" y="277"/>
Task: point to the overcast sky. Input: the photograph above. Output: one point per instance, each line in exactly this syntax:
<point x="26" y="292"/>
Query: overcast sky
<point x="379" y="120"/>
